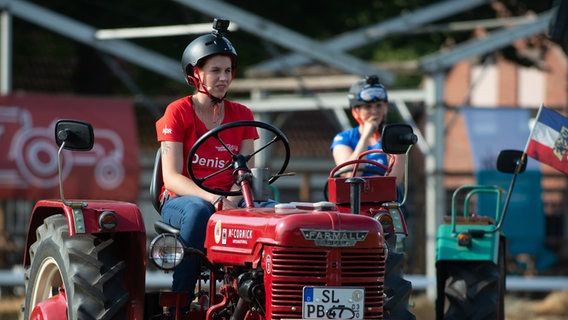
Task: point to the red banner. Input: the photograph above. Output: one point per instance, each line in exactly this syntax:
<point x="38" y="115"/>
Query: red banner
<point x="28" y="152"/>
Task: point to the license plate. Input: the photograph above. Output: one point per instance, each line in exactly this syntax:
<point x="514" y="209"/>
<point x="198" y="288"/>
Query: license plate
<point x="333" y="303"/>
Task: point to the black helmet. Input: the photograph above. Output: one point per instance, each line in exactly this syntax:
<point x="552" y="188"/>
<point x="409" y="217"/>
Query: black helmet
<point x="367" y="90"/>
<point x="207" y="45"/>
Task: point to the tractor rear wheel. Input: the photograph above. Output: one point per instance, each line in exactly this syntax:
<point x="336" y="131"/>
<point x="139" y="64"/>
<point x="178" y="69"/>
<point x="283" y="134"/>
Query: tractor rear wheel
<point x="86" y="267"/>
<point x="472" y="290"/>
<point x="397" y="289"/>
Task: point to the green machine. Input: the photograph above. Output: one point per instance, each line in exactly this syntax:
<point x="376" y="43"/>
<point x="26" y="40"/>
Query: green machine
<point x="471" y="250"/>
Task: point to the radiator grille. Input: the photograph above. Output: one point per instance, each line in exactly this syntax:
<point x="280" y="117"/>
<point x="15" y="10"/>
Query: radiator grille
<point x="292" y="269"/>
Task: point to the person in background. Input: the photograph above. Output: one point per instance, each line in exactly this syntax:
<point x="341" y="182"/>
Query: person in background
<point x="368" y="101"/>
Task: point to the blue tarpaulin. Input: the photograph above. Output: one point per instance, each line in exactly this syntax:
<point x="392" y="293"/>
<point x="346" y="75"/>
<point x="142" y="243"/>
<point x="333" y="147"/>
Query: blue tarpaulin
<point x="491" y="130"/>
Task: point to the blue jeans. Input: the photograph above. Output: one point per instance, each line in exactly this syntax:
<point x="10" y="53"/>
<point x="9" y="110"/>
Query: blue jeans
<point x="190" y="214"/>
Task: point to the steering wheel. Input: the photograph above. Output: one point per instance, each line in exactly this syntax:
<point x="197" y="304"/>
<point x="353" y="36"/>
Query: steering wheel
<point x="341" y="169"/>
<point x="239" y="161"/>
<point x="375" y="164"/>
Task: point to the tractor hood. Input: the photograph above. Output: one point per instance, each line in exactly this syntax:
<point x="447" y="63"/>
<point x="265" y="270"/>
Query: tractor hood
<point x="236" y="236"/>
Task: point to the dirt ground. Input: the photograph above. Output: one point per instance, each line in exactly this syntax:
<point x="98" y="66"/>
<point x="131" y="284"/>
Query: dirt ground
<point x="10" y="308"/>
<point x="553" y="306"/>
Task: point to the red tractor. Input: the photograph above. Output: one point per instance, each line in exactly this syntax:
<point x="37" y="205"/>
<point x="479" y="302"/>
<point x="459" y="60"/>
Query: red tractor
<point x="86" y="259"/>
<point x="376" y="195"/>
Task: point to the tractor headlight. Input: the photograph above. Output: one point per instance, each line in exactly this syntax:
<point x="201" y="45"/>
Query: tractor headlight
<point x="108" y="220"/>
<point x="386" y="222"/>
<point x="167" y="251"/>
<point x="465" y="239"/>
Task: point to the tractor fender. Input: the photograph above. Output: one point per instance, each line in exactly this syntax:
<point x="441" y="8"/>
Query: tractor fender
<point x="83" y="218"/>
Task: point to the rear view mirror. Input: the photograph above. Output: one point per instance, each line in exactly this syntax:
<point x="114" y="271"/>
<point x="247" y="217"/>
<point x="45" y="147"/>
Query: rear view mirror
<point x="77" y="135"/>
<point x="508" y="161"/>
<point x="397" y="138"/>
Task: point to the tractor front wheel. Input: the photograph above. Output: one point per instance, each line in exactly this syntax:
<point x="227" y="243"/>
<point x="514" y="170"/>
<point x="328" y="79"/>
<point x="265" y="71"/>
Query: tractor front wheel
<point x="472" y="291"/>
<point x="85" y="270"/>
<point x="397" y="289"/>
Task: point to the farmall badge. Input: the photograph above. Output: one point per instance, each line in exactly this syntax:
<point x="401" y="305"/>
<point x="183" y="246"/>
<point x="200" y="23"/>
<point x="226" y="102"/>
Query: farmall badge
<point x="334" y="238"/>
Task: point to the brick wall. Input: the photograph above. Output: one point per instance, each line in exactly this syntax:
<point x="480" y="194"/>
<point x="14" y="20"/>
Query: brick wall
<point x="502" y="83"/>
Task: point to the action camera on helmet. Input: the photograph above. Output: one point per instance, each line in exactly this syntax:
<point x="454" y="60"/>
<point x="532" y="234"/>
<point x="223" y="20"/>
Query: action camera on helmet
<point x="220" y="26"/>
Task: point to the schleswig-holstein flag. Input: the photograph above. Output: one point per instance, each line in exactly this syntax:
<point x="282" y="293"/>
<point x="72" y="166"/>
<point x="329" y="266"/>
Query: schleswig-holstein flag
<point x="548" y="141"/>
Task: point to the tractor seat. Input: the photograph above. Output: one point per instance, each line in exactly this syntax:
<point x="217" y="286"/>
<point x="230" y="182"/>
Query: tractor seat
<point x="474" y="220"/>
<point x="157" y="182"/>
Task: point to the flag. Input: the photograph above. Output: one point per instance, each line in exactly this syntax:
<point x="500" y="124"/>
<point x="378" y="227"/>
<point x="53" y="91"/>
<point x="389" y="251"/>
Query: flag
<point x="548" y="141"/>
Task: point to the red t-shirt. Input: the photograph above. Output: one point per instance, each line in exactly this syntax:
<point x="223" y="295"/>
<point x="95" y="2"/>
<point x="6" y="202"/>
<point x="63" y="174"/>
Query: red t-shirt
<point x="180" y="124"/>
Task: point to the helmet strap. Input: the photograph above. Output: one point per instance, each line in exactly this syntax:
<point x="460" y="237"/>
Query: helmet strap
<point x="215" y="102"/>
<point x="355" y="115"/>
<point x="198" y="84"/>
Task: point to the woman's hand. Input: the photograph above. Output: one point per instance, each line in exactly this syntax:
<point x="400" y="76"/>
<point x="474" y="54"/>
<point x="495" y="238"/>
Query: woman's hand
<point x="233" y="201"/>
<point x="370" y="127"/>
<point x="223" y="202"/>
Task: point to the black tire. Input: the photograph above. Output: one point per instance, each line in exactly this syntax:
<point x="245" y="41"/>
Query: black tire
<point x="86" y="266"/>
<point x="472" y="291"/>
<point x="397" y="289"/>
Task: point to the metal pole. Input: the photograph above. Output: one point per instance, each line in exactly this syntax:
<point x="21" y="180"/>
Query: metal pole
<point x="435" y="194"/>
<point x="5" y="52"/>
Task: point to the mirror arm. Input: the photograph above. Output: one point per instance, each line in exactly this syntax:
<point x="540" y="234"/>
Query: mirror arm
<point x="59" y="166"/>
<point x="510" y="191"/>
<point x="405" y="193"/>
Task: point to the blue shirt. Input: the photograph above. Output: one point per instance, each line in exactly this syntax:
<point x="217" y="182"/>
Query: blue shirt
<point x="350" y="138"/>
